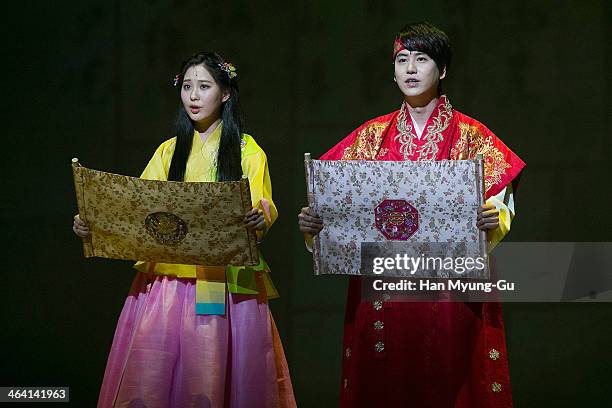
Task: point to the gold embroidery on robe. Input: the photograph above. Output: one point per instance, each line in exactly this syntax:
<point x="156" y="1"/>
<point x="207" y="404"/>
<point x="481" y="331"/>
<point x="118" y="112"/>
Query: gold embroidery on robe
<point x="472" y="142"/>
<point x="433" y="134"/>
<point x="367" y="143"/>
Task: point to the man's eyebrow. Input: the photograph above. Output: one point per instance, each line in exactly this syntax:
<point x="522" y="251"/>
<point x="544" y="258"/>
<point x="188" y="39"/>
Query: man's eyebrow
<point x="407" y="52"/>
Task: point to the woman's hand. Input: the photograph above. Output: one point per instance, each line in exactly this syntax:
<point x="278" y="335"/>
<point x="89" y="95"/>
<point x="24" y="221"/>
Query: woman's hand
<point x="309" y="221"/>
<point x="254" y="220"/>
<point x="487" y="217"/>
<point x="79" y="227"/>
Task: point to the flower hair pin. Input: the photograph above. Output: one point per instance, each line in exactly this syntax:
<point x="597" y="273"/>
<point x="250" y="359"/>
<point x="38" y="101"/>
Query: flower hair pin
<point x="177" y="79"/>
<point x="229" y="69"/>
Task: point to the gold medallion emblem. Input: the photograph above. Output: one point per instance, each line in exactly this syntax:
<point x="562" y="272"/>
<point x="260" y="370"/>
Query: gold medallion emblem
<point x="166" y="228"/>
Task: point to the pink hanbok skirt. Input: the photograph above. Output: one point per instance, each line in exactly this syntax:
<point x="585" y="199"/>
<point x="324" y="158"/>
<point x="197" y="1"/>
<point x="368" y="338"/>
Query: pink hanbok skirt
<point x="164" y="355"/>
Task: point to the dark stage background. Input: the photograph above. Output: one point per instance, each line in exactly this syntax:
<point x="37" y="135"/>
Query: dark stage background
<point x="93" y="80"/>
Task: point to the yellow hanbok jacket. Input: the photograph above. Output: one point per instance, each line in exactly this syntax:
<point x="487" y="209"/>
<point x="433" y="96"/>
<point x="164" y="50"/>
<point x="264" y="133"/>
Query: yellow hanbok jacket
<point x="201" y="166"/>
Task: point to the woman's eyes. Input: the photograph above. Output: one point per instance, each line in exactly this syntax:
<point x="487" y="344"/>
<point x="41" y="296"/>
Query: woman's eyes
<point x="203" y="87"/>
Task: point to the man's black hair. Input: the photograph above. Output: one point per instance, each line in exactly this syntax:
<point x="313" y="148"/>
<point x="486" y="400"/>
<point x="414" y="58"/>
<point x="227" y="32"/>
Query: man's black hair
<point x="425" y="37"/>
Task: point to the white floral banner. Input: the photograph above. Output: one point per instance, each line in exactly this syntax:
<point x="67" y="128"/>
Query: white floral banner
<point x="417" y="206"/>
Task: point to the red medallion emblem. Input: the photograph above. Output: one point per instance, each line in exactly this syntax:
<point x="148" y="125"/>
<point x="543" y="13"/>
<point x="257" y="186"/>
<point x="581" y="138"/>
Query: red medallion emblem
<point x="396" y="219"/>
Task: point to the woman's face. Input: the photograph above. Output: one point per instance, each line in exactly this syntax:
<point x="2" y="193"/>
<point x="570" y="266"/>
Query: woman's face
<point x="201" y="96"/>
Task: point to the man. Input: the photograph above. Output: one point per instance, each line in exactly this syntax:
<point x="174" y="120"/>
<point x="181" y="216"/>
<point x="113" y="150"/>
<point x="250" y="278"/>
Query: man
<point x="437" y="354"/>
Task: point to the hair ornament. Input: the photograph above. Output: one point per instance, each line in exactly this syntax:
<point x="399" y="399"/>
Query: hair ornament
<point x="229" y="69"/>
<point x="177" y="79"/>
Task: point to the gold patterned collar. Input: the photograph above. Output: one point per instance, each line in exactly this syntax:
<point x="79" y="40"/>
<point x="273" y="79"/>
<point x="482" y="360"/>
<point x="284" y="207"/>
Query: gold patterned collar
<point x="436" y="124"/>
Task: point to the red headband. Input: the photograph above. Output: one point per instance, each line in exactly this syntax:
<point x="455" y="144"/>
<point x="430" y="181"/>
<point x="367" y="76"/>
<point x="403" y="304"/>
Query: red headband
<point x="398" y="46"/>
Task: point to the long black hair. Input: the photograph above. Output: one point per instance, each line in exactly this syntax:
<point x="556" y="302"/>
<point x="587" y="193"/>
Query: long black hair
<point x="228" y="157"/>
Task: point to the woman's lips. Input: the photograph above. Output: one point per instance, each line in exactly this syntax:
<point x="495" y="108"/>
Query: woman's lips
<point x="194" y="109"/>
<point x="412" y="83"/>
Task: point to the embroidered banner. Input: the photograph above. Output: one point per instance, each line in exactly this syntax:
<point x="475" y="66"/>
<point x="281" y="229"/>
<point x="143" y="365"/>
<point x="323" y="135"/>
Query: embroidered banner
<point x="421" y="209"/>
<point x="165" y="221"/>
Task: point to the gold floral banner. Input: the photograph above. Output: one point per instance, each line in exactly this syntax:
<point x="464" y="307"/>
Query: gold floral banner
<point x="164" y="221"/>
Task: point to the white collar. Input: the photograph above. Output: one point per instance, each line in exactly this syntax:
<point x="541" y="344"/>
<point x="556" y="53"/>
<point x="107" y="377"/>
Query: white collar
<point x="417" y="130"/>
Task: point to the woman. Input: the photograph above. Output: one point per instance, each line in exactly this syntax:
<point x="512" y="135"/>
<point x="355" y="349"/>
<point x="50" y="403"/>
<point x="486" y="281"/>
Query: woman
<point x="163" y="353"/>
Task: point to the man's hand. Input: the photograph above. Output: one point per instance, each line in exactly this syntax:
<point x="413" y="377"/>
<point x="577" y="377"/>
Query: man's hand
<point x="487" y="217"/>
<point x="309" y="221"/>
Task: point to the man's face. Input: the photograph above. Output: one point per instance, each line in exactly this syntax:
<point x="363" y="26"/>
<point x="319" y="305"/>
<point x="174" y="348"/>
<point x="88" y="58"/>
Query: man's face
<point x="417" y="74"/>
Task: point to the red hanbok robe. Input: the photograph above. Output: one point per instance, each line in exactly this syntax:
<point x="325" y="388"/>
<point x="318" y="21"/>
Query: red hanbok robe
<point x="426" y="354"/>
